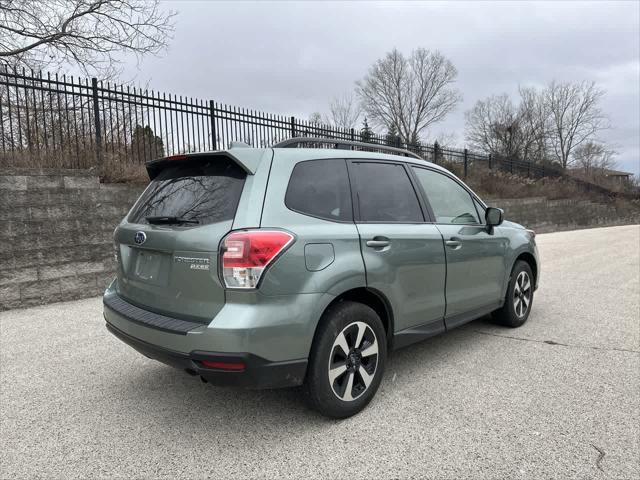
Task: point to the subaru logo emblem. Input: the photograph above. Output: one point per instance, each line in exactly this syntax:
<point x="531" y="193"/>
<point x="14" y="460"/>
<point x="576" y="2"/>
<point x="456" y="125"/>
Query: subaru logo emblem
<point x="140" y="238"/>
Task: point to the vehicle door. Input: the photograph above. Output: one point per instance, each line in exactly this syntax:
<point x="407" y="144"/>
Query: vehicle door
<point x="475" y="254"/>
<point x="403" y="253"/>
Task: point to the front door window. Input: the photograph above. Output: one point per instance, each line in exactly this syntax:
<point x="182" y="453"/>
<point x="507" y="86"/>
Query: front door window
<point x="450" y="202"/>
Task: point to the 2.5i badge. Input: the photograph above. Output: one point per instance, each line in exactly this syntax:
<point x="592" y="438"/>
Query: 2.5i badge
<point x="195" y="263"/>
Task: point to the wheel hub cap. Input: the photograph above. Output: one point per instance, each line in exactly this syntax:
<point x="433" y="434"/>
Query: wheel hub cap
<point x="354" y="359"/>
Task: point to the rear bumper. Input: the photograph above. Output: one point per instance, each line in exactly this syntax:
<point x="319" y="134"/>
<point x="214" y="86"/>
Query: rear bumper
<point x="277" y="328"/>
<point x="258" y="372"/>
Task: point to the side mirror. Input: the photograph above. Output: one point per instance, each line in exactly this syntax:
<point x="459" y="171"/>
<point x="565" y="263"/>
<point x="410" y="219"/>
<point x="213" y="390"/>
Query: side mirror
<point x="494" y="216"/>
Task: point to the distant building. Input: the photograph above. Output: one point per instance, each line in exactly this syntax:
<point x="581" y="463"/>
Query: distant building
<point x="618" y="177"/>
<point x="605" y="177"/>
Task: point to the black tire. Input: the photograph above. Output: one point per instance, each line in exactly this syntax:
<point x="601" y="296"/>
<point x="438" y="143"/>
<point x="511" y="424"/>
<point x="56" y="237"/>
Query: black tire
<point x="515" y="313"/>
<point x="347" y="319"/>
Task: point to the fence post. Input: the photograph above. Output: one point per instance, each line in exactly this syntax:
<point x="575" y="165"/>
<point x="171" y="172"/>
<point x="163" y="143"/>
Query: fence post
<point x="293" y="127"/>
<point x="96" y="115"/>
<point x="466" y="162"/>
<point x="435" y="152"/>
<point x="212" y="118"/>
<point x="490" y="165"/>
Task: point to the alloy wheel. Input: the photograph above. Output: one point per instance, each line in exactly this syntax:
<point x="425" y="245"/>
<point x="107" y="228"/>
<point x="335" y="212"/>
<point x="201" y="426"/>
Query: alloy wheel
<point x="353" y="361"/>
<point x="522" y="294"/>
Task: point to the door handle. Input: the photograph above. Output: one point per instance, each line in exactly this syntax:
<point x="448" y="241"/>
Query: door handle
<point x="378" y="242"/>
<point x="454" y="242"/>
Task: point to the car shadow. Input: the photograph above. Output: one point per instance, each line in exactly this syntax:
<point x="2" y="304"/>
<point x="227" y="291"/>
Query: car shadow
<point x="186" y="400"/>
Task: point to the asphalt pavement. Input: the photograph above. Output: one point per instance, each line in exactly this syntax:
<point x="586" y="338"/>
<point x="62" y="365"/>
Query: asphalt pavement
<point x="556" y="398"/>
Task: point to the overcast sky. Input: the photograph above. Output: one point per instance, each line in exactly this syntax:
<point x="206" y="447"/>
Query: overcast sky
<point x="292" y="57"/>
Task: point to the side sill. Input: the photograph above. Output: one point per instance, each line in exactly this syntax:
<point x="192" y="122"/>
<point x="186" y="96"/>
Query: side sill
<point x="466" y="317"/>
<point x="417" y="333"/>
<point x="421" y="332"/>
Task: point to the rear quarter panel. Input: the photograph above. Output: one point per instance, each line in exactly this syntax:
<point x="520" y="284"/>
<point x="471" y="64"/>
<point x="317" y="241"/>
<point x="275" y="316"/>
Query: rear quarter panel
<point x="292" y="273"/>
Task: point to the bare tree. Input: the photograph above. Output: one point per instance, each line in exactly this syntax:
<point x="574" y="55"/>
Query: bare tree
<point x="315" y="118"/>
<point x="344" y="112"/>
<point x="409" y="93"/>
<point x="575" y="116"/>
<point x="545" y="124"/>
<point x="493" y="125"/>
<point x="533" y="117"/>
<point x="593" y="158"/>
<point x="88" y="33"/>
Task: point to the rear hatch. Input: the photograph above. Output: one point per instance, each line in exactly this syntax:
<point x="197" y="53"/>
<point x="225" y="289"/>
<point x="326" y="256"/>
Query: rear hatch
<point x="167" y="248"/>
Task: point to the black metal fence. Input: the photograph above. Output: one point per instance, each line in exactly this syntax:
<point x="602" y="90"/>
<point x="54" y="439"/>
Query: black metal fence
<point x="66" y="122"/>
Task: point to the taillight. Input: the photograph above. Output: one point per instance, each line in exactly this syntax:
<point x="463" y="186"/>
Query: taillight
<point x="245" y="255"/>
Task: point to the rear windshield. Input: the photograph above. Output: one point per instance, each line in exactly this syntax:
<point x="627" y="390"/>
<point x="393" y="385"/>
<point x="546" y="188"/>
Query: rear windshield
<point x="204" y="190"/>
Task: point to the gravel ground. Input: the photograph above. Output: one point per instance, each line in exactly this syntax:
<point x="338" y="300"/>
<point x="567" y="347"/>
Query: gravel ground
<point x="557" y="398"/>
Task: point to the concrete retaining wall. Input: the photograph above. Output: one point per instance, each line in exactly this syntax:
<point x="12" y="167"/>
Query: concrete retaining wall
<point x="544" y="215"/>
<point x="56" y="231"/>
<point x="56" y="235"/>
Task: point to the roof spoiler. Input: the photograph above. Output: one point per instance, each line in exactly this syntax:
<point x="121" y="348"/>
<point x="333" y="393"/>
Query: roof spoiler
<point x="247" y="158"/>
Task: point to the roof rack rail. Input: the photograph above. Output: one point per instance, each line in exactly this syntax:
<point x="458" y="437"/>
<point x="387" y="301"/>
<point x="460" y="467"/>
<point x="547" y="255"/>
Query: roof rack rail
<point x="296" y="141"/>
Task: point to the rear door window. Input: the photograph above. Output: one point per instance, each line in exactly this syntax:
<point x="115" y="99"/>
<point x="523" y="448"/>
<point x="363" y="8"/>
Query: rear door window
<point x="385" y="194"/>
<point x="206" y="191"/>
<point x="320" y="188"/>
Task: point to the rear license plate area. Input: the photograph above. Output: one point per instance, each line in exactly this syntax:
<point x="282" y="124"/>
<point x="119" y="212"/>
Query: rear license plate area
<point x="148" y="266"/>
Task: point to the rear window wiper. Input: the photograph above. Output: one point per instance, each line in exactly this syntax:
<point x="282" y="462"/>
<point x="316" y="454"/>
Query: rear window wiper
<point x="168" y="220"/>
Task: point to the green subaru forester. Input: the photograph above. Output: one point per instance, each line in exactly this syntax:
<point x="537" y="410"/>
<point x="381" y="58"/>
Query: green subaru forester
<point x="277" y="267"/>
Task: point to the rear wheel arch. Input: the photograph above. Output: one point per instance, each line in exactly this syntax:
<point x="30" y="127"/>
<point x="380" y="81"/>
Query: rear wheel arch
<point x="372" y="298"/>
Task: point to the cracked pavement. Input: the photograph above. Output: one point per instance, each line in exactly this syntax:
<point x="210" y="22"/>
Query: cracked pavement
<point x="556" y="398"/>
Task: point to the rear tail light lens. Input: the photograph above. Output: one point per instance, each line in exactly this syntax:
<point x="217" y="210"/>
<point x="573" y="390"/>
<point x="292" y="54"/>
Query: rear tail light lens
<point x="246" y="255"/>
